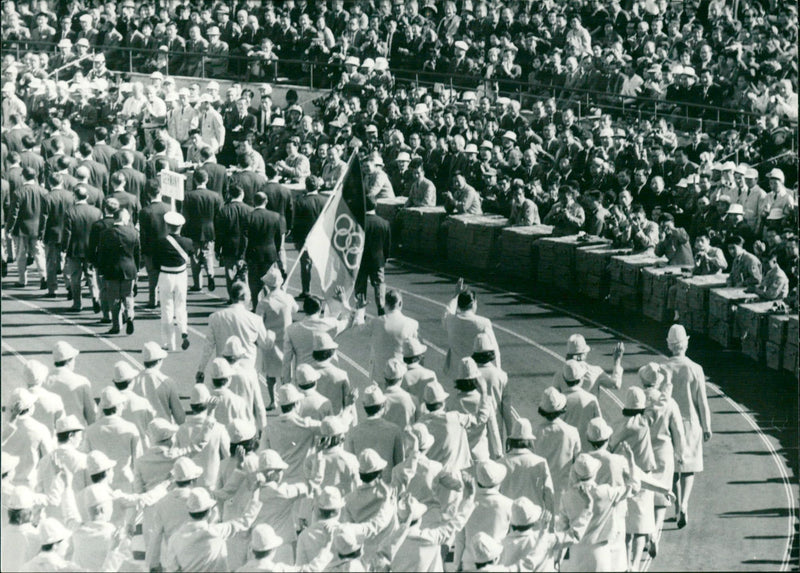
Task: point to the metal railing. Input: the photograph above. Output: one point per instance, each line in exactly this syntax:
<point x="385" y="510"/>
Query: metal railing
<point x="323" y="75"/>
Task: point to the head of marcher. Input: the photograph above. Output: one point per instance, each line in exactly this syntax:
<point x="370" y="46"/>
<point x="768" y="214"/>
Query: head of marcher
<point x="200" y="503"/>
<point x="243" y="434"/>
<point x="525" y="514"/>
<point x="324" y="347"/>
<point x="99" y="467"/>
<point x="329" y="503"/>
<point x="69" y="431"/>
<point x="483" y="349"/>
<point x="347" y="545"/>
<point x="153" y="355"/>
<point x="199" y="399"/>
<point x="185" y="472"/>
<point x="332" y="431"/>
<point x="573" y="372"/>
<point x="54" y="537"/>
<point x="288" y="397"/>
<point x="35" y="373"/>
<point x="677" y="340"/>
<point x="271" y="465"/>
<point x="64" y="355"/>
<point x="306" y="377"/>
<point x="394" y="371"/>
<point x="124" y="375"/>
<point x="521" y="435"/>
<point x="598" y="432"/>
<point x="162" y="432"/>
<point x="490" y="474"/>
<point x="370" y="465"/>
<point x="111" y="401"/>
<point x="234" y="350"/>
<point x="486" y="550"/>
<point x="374" y="401"/>
<point x="312" y="306"/>
<point x="264" y="541"/>
<point x="467" y="301"/>
<point x="413" y="351"/>
<point x="577" y="349"/>
<point x="468" y="375"/>
<point x="434" y="396"/>
<point x="552" y="404"/>
<point x="221" y="373"/>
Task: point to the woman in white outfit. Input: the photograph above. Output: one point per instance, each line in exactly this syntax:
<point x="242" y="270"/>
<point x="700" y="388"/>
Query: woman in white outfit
<point x="275" y="307"/>
<point x="666" y="436"/>
<point x="634" y="431"/>
<point x="689" y="391"/>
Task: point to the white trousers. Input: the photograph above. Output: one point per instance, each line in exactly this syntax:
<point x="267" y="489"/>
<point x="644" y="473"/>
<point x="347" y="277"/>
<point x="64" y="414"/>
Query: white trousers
<point x="174" y="321"/>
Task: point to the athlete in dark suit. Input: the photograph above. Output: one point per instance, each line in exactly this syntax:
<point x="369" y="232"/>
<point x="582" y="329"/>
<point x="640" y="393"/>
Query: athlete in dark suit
<point x="307" y="209"/>
<point x="78" y="222"/>
<point x="118" y="254"/>
<point x="264" y="240"/>
<point x="377" y="245"/>
<point x="200" y="207"/>
<point x="230" y="227"/>
<point x="152" y="229"/>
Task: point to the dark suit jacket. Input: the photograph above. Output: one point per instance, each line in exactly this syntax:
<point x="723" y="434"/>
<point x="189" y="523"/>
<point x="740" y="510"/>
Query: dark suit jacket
<point x="26" y="210"/>
<point x="264" y="237"/>
<point x="118" y="253"/>
<point x="98" y="173"/>
<point x="152" y="226"/>
<point x="217" y="176"/>
<point x="129" y="202"/>
<point x="96" y="230"/>
<point x="230" y="226"/>
<point x="306" y="211"/>
<point x="78" y="222"/>
<point x="139" y="162"/>
<point x="200" y="206"/>
<point x="13" y="139"/>
<point x="136" y="182"/>
<point x="281" y="200"/>
<point x="54" y="208"/>
<point x="250" y="181"/>
<point x="102" y="153"/>
<point x="95" y="196"/>
<point x="34" y="161"/>
<point x="377" y="243"/>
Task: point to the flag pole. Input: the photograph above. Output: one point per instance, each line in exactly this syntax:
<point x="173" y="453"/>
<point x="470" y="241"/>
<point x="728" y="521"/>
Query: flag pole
<point x="336" y="189"/>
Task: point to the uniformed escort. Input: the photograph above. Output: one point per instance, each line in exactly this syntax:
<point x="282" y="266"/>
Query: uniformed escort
<point x="172" y="258"/>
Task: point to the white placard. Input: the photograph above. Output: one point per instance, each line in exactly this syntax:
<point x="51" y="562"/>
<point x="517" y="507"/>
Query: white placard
<point x="172" y="184"/>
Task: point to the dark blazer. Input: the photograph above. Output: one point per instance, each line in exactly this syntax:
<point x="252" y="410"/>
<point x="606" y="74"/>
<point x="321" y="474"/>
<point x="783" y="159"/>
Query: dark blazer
<point x="129" y="202"/>
<point x="13" y="139"/>
<point x="78" y="222"/>
<point x="97" y="229"/>
<point x="217" y="176"/>
<point x="307" y="209"/>
<point x="377" y="243"/>
<point x="54" y="208"/>
<point x="135" y="182"/>
<point x="26" y="210"/>
<point x="152" y="227"/>
<point x="102" y="153"/>
<point x="95" y="196"/>
<point x="34" y="161"/>
<point x="118" y="253"/>
<point x="230" y="226"/>
<point x="264" y="237"/>
<point x="250" y="181"/>
<point x="139" y="162"/>
<point x="200" y="206"/>
<point x="281" y="200"/>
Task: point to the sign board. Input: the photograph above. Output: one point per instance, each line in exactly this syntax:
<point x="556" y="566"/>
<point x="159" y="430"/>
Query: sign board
<point x="172" y="184"/>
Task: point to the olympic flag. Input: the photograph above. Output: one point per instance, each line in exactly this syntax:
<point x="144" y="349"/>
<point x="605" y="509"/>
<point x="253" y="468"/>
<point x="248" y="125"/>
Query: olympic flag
<point x="336" y="241"/>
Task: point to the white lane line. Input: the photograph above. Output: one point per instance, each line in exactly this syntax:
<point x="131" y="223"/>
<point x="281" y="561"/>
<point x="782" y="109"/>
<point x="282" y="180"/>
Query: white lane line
<point x="782" y="470"/>
<point x="17" y="355"/>
<point x="80" y="327"/>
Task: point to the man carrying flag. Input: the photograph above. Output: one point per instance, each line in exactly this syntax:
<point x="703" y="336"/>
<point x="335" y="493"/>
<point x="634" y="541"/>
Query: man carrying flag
<point x="377" y="245"/>
<point x="335" y="244"/>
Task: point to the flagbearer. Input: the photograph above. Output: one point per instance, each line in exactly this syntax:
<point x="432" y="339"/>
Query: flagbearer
<point x="172" y="258"/>
<point x="377" y="245"/>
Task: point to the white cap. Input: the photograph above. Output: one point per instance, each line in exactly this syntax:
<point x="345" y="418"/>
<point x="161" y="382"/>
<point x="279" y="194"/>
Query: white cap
<point x="370" y="461"/>
<point x="269" y="460"/>
<point x="573" y="371"/>
<point x="185" y="469"/>
<point x="598" y="430"/>
<point x="63" y="351"/>
<point x="468" y="370"/>
<point x="394" y="369"/>
<point x="123" y="371"/>
<point x="289" y="394"/>
<point x="485" y="548"/>
<point x="552" y="401"/>
<point x="68" y="424"/>
<point x="374" y="396"/>
<point x="220" y="368"/>
<point x="306" y="375"/>
<point x="35" y="373"/>
<point x="330" y="498"/>
<point x="576" y="344"/>
<point x="174" y="218"/>
<point x="161" y="430"/>
<point x="490" y="473"/>
<point x="52" y="531"/>
<point x="413" y="347"/>
<point x="735" y="209"/>
<point x="151" y="352"/>
<point x="677" y="334"/>
<point x="434" y="393"/>
<point x="241" y="430"/>
<point x="264" y="538"/>
<point x="21" y="497"/>
<point x="97" y="462"/>
<point x="199" y="500"/>
<point x="110" y="397"/>
<point x="525" y="512"/>
<point x="233" y="348"/>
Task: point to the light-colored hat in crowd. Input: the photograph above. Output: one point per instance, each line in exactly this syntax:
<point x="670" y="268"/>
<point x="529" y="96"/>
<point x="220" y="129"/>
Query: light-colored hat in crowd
<point x="270" y="460"/>
<point x="123" y="372"/>
<point x="598" y="430"/>
<point x="525" y="512"/>
<point x="220" y="368"/>
<point x="370" y="461"/>
<point x="200" y="395"/>
<point x="64" y="351"/>
<point x="289" y="394"/>
<point x="413" y="347"/>
<point x="35" y="373"/>
<point x="468" y="369"/>
<point x="52" y="531"/>
<point x="68" y="424"/>
<point x="490" y="473"/>
<point x="306" y="375"/>
<point x="485" y="548"/>
<point x="374" y="396"/>
<point x="650" y="374"/>
<point x="199" y="500"/>
<point x="97" y="462"/>
<point x="434" y="393"/>
<point x="552" y="401"/>
<point x="395" y="369"/>
<point x="151" y="351"/>
<point x="586" y="467"/>
<point x="110" y="397"/>
<point x="264" y="538"/>
<point x="521" y="430"/>
<point x="234" y="348"/>
<point x="677" y="334"/>
<point x="324" y="341"/>
<point x="241" y="430"/>
<point x="330" y="498"/>
<point x="574" y="371"/>
<point x="576" y="344"/>
<point x="161" y="430"/>
<point x="635" y="399"/>
<point x="185" y="469"/>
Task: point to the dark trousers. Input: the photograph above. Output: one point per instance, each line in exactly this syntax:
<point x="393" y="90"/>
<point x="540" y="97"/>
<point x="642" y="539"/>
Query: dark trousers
<point x="305" y="272"/>
<point x="377" y="280"/>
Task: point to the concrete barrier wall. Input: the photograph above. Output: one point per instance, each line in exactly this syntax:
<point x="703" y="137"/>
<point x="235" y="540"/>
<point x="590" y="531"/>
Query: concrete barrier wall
<point x="636" y="284"/>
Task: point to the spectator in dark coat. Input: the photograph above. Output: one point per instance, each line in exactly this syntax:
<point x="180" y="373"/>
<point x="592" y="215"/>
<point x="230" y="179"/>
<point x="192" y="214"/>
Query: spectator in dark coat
<point x="675" y="243"/>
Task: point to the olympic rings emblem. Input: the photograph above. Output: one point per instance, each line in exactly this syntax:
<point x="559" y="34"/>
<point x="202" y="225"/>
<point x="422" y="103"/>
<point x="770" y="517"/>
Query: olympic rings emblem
<point x="348" y="240"/>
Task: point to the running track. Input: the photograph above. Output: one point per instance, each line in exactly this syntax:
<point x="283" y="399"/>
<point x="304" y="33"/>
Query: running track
<point x="744" y="511"/>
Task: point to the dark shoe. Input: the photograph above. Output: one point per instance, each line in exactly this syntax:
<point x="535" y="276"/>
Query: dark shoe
<point x="114" y="330"/>
<point x="20" y="285"/>
<point x="95" y="305"/>
<point x="185" y="341"/>
<point x="135" y="289"/>
<point x="105" y="320"/>
<point x="49" y="295"/>
<point x="652" y="548"/>
<point x="195" y="289"/>
<point x="682" y="520"/>
<point x="73" y="308"/>
<point x="43" y="284"/>
<point x="29" y="260"/>
<point x="129" y="326"/>
<point x="212" y="286"/>
<point x="301" y="296"/>
<point x="271" y="406"/>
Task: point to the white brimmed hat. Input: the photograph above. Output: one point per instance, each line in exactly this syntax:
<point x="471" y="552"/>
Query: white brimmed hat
<point x="63" y="351"/>
<point x="151" y="352"/>
<point x="576" y="344"/>
<point x="264" y="538"/>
